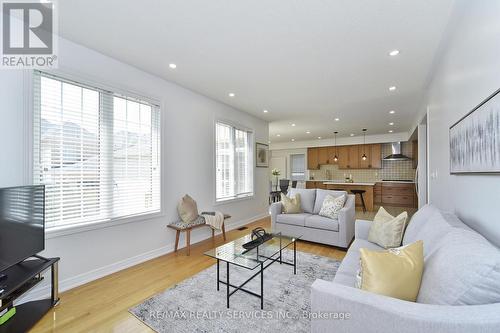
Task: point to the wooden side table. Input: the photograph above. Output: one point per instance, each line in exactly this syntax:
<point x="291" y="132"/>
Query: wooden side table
<point x="180" y="226"/>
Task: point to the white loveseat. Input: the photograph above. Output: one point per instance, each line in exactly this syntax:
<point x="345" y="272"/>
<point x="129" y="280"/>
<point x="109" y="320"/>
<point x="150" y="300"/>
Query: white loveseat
<point x="310" y="225"/>
<point x="460" y="290"/>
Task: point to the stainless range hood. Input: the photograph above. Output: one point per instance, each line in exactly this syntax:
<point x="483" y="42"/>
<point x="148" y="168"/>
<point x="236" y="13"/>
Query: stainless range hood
<point x="396" y="153"/>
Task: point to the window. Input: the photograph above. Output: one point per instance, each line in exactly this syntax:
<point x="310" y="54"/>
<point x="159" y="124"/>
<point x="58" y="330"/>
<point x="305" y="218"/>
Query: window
<point x="234" y="162"/>
<point x="97" y="152"/>
<point x="298" y="167"/>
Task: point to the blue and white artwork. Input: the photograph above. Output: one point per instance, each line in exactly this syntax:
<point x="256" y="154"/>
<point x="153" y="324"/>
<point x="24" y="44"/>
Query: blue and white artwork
<point x="475" y="139"/>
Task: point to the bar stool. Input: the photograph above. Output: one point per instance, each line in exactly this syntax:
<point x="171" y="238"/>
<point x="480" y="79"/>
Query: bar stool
<point x="360" y="192"/>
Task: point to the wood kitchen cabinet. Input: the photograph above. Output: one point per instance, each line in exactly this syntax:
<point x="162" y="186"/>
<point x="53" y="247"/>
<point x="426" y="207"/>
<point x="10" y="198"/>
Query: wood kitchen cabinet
<point x="398" y="194"/>
<point x="353" y="157"/>
<point x="332" y="151"/>
<point x="365" y="149"/>
<point x="376" y="156"/>
<point x="322" y="155"/>
<point x="312" y="158"/>
<point x="343" y="152"/>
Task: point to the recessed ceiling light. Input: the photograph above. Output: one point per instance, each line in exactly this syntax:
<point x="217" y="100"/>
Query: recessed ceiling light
<point x="392" y="112"/>
<point x="293" y="140"/>
<point x="352" y="134"/>
<point x="392" y="88"/>
<point x="173" y="66"/>
<point x="232" y="94"/>
<point x="390" y="131"/>
<point x="308" y="132"/>
<point x="265" y="111"/>
<point x="278" y="134"/>
<point x="337" y="119"/>
<point x="394" y="53"/>
<point x="319" y="138"/>
<point x="293" y="125"/>
<point x="391" y="124"/>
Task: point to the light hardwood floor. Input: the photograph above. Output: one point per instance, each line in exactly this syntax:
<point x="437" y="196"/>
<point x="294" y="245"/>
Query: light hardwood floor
<point x="102" y="305"/>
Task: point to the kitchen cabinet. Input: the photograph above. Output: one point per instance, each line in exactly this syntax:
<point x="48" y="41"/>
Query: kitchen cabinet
<point x="365" y="149"/>
<point x="312" y="159"/>
<point x="398" y="194"/>
<point x="332" y="151"/>
<point x="353" y="157"/>
<point x="343" y="152"/>
<point x="377" y="193"/>
<point x="376" y="156"/>
<point x="349" y="157"/>
<point x="322" y="155"/>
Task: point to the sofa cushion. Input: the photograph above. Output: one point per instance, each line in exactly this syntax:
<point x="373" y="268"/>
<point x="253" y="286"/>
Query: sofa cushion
<point x="464" y="270"/>
<point x="432" y="232"/>
<point x="321" y="222"/>
<point x="292" y="219"/>
<point x="332" y="205"/>
<point x="350" y="263"/>
<point x="307" y="197"/>
<point x="387" y="230"/>
<point x="396" y="272"/>
<point x="291" y="205"/>
<point x="417" y="221"/>
<point x="321" y="195"/>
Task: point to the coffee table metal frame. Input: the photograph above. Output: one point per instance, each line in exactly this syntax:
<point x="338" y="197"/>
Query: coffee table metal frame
<point x="261" y="261"/>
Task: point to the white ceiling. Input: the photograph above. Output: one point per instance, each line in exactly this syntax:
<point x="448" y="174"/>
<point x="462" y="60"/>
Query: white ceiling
<point x="306" y="62"/>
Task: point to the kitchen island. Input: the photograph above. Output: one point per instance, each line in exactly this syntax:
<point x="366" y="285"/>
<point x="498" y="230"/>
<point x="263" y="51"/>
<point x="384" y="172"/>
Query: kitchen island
<point x="343" y="186"/>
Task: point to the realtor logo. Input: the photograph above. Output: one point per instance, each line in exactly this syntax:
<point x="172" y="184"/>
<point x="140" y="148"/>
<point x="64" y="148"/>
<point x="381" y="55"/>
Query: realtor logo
<point x="28" y="34"/>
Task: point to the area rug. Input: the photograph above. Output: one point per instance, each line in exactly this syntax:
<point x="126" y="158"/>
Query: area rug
<point x="195" y="305"/>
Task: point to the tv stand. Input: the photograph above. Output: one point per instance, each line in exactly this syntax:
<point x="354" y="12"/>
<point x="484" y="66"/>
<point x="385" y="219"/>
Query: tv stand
<point x="19" y="279"/>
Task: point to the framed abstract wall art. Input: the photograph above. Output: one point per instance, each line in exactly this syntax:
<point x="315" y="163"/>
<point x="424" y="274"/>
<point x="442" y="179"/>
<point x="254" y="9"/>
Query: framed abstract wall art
<point x="475" y="139"/>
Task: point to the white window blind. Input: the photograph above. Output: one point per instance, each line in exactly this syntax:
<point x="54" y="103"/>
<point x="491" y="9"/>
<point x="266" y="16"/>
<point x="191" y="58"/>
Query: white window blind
<point x="97" y="152"/>
<point x="298" y="167"/>
<point x="234" y="162"/>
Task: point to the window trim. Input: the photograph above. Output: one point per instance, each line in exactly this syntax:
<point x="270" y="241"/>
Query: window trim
<point x="92" y="82"/>
<point x="220" y="202"/>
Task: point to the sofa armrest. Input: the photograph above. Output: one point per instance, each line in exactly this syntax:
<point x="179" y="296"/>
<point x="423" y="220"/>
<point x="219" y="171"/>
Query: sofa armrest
<point x="362" y="229"/>
<point x="346" y="218"/>
<point x="368" y="312"/>
<point x="274" y="210"/>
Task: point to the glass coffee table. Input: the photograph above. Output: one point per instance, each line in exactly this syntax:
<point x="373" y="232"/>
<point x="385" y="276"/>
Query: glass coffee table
<point x="261" y="257"/>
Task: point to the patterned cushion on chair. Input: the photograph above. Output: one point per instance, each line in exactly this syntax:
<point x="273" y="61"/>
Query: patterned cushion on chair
<point x="182" y="225"/>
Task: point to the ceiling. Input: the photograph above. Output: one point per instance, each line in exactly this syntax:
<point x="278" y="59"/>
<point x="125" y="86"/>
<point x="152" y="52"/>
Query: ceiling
<point x="306" y="62"/>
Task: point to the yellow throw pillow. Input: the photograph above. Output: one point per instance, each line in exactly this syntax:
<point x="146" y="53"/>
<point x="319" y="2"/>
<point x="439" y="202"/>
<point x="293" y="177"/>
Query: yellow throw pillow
<point x="291" y="205"/>
<point x="387" y="230"/>
<point x="395" y="272"/>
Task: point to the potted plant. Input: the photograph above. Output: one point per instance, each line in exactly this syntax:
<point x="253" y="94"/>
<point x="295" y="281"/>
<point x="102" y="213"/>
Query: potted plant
<point x="276" y="173"/>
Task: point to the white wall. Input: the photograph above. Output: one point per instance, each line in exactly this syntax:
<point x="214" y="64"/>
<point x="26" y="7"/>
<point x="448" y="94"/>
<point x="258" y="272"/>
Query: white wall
<point x="467" y="72"/>
<point x="187" y="161"/>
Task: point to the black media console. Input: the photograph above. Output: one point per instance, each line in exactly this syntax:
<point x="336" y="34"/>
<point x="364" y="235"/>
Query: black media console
<point x="18" y="280"/>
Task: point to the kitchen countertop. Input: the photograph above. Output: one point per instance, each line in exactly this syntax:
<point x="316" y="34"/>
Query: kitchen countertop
<point x="338" y="182"/>
<point x="350" y="184"/>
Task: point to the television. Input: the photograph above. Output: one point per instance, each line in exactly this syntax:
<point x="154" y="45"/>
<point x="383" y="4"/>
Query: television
<point x="22" y="223"/>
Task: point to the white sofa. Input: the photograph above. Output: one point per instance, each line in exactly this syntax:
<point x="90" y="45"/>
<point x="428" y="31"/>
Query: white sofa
<point x="310" y="225"/>
<point x="460" y="290"/>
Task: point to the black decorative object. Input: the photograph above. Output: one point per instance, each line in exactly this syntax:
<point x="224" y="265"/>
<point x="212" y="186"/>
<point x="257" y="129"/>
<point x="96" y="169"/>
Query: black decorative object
<point x="259" y="236"/>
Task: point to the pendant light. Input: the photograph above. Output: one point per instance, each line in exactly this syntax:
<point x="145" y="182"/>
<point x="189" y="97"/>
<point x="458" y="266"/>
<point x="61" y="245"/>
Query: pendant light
<point x="335" y="158"/>
<point x="363" y="157"/>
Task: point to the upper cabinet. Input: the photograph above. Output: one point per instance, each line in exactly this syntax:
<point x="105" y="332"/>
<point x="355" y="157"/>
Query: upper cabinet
<point x="312" y="159"/>
<point x="354" y="157"/>
<point x="349" y="157"/>
<point x="376" y="156"/>
<point x="322" y="155"/>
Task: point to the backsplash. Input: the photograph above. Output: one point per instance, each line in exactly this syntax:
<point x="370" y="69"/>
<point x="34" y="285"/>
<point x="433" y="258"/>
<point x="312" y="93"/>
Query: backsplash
<point x="390" y="169"/>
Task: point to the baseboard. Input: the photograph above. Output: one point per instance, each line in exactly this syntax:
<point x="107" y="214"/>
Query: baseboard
<point x="73" y="282"/>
